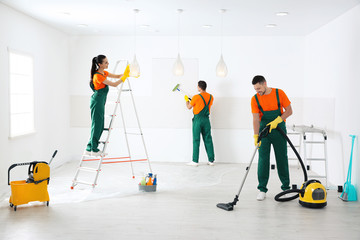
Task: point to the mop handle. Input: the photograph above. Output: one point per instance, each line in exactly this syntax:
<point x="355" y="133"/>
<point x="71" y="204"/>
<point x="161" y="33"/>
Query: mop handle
<point x="52" y="157"/>
<point x="351" y="155"/>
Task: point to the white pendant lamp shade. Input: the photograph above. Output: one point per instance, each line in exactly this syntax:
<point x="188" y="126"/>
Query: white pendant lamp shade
<point x="178" y="68"/>
<point x="221" y="68"/>
<point x="134" y="65"/>
<point x="134" y="68"/>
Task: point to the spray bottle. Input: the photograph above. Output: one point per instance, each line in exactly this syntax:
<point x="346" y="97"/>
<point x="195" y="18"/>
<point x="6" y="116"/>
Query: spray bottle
<point x="149" y="183"/>
<point x="155" y="180"/>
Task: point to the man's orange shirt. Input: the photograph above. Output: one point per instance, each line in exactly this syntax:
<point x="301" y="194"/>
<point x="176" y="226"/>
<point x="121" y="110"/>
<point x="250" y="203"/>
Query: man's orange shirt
<point x="98" y="80"/>
<point x="198" y="103"/>
<point x="269" y="102"/>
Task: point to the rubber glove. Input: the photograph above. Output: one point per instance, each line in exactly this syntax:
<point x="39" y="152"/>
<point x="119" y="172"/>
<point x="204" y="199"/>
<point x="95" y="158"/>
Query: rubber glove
<point x="126" y="73"/>
<point x="274" y="123"/>
<point x="256" y="137"/>
<point x="186" y="98"/>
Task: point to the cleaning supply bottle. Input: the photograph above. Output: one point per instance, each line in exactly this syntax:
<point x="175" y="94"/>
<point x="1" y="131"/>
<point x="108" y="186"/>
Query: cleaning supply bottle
<point x="143" y="182"/>
<point x="155" y="180"/>
<point x="149" y="183"/>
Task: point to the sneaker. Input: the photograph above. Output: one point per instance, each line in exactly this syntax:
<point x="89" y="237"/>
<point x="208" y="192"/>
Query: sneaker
<point x="87" y="153"/>
<point x="98" y="154"/>
<point x="194" y="164"/>
<point x="211" y="163"/>
<point x="261" y="196"/>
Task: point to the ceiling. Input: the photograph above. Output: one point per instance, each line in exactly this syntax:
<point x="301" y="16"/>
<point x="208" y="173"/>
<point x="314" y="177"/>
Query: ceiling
<point x="160" y="17"/>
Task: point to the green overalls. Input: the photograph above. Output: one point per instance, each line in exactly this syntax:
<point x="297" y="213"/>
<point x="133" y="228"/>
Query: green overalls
<point x="97" y="106"/>
<point x="201" y="124"/>
<point x="280" y="148"/>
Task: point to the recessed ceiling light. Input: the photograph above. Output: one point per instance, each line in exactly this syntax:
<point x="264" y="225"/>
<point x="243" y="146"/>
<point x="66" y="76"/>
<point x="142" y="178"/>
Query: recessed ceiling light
<point x="82" y="25"/>
<point x="271" y="25"/>
<point x="207" y="26"/>
<point x="281" y="14"/>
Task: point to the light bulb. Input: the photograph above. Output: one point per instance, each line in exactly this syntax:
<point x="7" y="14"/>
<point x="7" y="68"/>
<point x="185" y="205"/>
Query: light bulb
<point x="134" y="68"/>
<point x="221" y="68"/>
<point x="178" y="68"/>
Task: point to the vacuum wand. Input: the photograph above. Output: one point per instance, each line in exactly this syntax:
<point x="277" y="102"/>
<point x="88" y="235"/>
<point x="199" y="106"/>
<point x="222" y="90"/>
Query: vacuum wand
<point x="177" y="87"/>
<point x="230" y="206"/>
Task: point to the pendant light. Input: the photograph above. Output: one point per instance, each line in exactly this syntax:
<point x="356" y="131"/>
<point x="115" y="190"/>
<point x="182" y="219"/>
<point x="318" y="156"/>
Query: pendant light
<point x="134" y="65"/>
<point x="178" y="68"/>
<point x="221" y="68"/>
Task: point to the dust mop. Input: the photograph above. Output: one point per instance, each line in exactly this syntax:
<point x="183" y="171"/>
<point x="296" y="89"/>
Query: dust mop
<point x="349" y="192"/>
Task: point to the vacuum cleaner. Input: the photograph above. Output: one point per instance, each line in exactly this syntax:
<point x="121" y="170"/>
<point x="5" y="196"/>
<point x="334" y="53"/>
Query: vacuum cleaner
<point x="312" y="193"/>
<point x="34" y="188"/>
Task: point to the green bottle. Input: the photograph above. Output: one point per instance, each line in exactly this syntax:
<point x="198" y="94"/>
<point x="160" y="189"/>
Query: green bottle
<point x="143" y="182"/>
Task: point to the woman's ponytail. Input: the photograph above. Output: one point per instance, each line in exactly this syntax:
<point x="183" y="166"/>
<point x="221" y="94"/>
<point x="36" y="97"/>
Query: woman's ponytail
<point x="94" y="68"/>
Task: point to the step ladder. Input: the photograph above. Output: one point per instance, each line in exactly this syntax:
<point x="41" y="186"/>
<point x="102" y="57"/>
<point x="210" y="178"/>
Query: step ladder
<point x="293" y="135"/>
<point x="108" y="160"/>
<point x="304" y="130"/>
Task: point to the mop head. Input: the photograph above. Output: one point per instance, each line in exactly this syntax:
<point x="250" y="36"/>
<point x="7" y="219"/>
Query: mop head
<point x="226" y="206"/>
<point x="176" y="87"/>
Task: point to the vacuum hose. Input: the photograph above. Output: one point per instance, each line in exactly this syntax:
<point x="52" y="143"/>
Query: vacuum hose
<point x="278" y="197"/>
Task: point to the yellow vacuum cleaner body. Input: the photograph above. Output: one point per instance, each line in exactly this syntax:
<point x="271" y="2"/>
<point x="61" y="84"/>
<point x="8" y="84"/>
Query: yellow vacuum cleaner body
<point x="312" y="194"/>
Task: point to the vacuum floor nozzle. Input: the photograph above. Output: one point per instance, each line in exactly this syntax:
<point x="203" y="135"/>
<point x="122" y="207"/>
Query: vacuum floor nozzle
<point x="225" y="206"/>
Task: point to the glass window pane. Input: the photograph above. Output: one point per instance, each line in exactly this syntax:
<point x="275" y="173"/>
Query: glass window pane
<point x="20" y="84"/>
<point x="21" y="64"/>
<point x="21" y="103"/>
<point x="21" y="94"/>
<point x="21" y="123"/>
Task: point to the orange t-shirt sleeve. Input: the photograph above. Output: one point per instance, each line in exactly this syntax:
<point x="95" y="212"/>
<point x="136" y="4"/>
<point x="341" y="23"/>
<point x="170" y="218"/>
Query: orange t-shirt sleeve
<point x="212" y="100"/>
<point x="254" y="106"/>
<point x="98" y="80"/>
<point x="284" y="100"/>
<point x="193" y="100"/>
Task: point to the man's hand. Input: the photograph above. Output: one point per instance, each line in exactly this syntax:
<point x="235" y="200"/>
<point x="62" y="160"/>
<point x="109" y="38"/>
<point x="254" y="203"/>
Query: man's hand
<point x="256" y="137"/>
<point x="274" y="123"/>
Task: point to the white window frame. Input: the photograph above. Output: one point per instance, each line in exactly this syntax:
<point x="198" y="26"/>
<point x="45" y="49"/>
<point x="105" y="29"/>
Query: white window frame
<point x="30" y="109"/>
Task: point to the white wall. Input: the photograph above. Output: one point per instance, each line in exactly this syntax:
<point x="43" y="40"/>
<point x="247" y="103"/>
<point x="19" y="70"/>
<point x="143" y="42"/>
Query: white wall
<point x="163" y="114"/>
<point x="49" y="49"/>
<point x="332" y="75"/>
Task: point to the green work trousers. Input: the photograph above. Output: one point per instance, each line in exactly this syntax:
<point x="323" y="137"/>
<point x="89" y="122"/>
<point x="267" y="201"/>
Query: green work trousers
<point x="201" y="125"/>
<point x="280" y="148"/>
<point x="97" y="107"/>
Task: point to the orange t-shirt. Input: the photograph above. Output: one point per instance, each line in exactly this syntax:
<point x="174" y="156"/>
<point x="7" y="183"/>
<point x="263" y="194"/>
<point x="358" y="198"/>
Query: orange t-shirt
<point x="198" y="103"/>
<point x="269" y="102"/>
<point x="98" y="80"/>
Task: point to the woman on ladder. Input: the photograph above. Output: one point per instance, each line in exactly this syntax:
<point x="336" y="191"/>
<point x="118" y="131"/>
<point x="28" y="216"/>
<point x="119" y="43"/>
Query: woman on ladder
<point x="100" y="85"/>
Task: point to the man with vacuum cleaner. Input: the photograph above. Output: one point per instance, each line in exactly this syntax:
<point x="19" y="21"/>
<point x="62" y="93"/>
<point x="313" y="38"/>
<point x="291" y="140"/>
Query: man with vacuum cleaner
<point x="201" y="123"/>
<point x="267" y="107"/>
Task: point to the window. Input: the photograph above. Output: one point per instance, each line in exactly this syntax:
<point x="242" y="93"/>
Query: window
<point x="21" y="94"/>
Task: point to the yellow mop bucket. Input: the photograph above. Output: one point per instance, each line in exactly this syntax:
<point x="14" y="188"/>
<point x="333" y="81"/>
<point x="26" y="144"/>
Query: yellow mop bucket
<point x="32" y="189"/>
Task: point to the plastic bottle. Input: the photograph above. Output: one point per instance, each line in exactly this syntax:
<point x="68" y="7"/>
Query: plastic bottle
<point x="143" y="182"/>
<point x="149" y="183"/>
<point x="155" y="180"/>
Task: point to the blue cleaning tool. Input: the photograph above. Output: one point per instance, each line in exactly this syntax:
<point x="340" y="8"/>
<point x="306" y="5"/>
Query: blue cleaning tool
<point x="177" y="87"/>
<point x="349" y="192"/>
